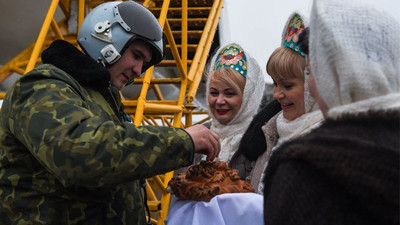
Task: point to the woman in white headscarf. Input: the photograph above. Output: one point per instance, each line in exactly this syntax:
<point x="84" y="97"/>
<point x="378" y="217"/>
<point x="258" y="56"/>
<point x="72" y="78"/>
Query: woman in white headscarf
<point x="347" y="170"/>
<point x="235" y="87"/>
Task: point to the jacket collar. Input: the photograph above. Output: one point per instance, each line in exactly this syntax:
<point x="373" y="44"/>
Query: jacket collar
<point x="81" y="67"/>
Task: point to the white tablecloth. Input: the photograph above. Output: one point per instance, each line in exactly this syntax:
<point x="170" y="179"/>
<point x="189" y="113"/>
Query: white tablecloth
<point x="225" y="209"/>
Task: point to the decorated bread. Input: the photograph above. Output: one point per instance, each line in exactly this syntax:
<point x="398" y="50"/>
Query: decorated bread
<point x="205" y="180"/>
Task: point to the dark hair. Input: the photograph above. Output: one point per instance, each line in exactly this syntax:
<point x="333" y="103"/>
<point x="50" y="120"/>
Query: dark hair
<point x="303" y="40"/>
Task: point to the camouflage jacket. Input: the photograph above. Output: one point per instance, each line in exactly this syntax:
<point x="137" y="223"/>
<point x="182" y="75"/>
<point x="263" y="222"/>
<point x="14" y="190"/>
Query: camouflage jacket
<point x="67" y="156"/>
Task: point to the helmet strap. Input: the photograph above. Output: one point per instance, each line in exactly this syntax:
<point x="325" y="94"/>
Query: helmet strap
<point x="110" y="54"/>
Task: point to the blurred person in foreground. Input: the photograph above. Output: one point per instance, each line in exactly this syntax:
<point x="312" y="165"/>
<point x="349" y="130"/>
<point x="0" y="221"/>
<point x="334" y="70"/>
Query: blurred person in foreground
<point x="347" y="170"/>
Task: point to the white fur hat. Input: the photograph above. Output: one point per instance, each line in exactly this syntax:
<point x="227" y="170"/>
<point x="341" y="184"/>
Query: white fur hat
<point x="355" y="56"/>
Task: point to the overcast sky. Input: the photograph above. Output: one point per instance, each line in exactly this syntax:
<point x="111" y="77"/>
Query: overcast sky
<point x="257" y="25"/>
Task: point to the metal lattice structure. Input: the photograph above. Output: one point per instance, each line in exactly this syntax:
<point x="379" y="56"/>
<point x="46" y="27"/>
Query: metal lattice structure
<point x="189" y="27"/>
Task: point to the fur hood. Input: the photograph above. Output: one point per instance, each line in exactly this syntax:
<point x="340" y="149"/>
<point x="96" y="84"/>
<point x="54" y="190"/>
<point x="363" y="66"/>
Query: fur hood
<point x="81" y="67"/>
<point x="349" y="165"/>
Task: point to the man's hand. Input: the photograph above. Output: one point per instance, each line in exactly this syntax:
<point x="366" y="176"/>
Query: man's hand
<point x="205" y="141"/>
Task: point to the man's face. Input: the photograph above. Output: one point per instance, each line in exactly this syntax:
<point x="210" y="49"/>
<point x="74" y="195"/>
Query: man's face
<point x="130" y="65"/>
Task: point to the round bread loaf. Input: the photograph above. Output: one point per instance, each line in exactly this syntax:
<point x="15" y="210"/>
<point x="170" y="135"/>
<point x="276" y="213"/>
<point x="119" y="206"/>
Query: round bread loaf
<point x="205" y="180"/>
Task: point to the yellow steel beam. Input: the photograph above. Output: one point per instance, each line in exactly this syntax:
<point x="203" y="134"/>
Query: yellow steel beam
<point x="81" y="14"/>
<point x="165" y="199"/>
<point x="42" y="35"/>
<point x="163" y="14"/>
<point x="174" y="50"/>
<point x="56" y="30"/>
<point x="184" y="40"/>
<point x="199" y="60"/>
<point x="157" y="91"/>
<point x="159" y="81"/>
<point x="159" y="108"/>
<point x="142" y="98"/>
<point x="64" y="5"/>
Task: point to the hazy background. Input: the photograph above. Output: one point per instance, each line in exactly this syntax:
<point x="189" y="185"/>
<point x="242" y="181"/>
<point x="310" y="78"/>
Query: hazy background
<point x="257" y="25"/>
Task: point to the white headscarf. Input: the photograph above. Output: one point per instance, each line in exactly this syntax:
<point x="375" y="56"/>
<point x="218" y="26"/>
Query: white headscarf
<point x="355" y="56"/>
<point x="231" y="133"/>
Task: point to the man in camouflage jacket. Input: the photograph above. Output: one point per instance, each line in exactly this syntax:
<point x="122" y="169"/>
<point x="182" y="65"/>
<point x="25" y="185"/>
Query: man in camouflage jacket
<point x="68" y="155"/>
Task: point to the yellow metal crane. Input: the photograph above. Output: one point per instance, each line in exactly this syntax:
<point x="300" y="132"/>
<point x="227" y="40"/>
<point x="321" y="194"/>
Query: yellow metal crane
<point x="189" y="27"/>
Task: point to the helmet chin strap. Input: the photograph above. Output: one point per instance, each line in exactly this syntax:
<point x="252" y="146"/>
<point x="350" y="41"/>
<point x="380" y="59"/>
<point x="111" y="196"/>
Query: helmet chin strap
<point x="110" y="54"/>
<point x="103" y="33"/>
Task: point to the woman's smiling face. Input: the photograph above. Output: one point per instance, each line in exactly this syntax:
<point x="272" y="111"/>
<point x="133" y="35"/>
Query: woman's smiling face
<point x="224" y="101"/>
<point x="290" y="94"/>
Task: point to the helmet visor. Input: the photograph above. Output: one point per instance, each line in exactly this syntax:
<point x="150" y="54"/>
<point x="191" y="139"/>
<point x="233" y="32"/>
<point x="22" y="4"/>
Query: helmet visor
<point x="136" y="19"/>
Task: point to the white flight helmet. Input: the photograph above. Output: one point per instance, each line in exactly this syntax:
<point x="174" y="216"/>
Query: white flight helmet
<point x="110" y="28"/>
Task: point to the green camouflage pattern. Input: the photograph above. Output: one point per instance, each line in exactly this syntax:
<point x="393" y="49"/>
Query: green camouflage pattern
<point x="66" y="157"/>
